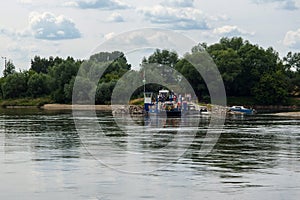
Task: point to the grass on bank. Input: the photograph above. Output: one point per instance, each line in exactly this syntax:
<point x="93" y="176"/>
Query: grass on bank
<point x="37" y="102"/>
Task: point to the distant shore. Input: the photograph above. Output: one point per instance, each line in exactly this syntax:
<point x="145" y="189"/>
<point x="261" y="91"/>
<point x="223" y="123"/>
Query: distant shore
<point x="109" y="108"/>
<point x="76" y="107"/>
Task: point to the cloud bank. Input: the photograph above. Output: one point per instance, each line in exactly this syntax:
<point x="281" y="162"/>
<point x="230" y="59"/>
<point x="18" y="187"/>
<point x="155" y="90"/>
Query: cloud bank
<point x="283" y="4"/>
<point x="231" y="31"/>
<point x="175" y="18"/>
<point x="115" y="17"/>
<point x="47" y="26"/>
<point x="292" y="39"/>
<point x="98" y="4"/>
<point x="178" y="3"/>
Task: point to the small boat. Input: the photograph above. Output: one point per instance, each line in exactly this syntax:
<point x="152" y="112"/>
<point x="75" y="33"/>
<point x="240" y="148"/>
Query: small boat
<point x="204" y="110"/>
<point x="241" y="110"/>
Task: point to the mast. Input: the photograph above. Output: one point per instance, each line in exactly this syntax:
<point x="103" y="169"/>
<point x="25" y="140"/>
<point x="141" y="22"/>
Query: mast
<point x="5" y="63"/>
<point x="144" y="81"/>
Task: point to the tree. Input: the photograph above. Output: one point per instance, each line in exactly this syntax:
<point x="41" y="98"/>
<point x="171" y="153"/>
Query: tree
<point x="291" y="64"/>
<point x="61" y="74"/>
<point x="163" y="61"/>
<point x="271" y="89"/>
<point x="199" y="82"/>
<point x="15" y="85"/>
<point x="42" y="65"/>
<point x="164" y="57"/>
<point x="104" y="92"/>
<point x="38" y="85"/>
<point x="292" y="61"/>
<point x="9" y="69"/>
<point x="242" y="64"/>
<point x="229" y="65"/>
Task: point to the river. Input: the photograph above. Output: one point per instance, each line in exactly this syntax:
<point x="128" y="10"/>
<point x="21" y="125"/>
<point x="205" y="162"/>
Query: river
<point x="43" y="155"/>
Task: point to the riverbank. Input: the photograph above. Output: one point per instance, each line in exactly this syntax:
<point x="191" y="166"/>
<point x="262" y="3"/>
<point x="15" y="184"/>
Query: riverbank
<point x="76" y="107"/>
<point x="117" y="109"/>
<point x="286" y="114"/>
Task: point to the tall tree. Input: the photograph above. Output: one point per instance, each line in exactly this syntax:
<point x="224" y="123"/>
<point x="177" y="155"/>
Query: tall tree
<point x="271" y="89"/>
<point x="15" y="85"/>
<point x="9" y="69"/>
<point x="229" y="65"/>
<point x="38" y="85"/>
<point x="42" y="65"/>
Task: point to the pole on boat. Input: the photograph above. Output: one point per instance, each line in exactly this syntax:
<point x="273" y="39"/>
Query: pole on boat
<point x="5" y="63"/>
<point x="144" y="81"/>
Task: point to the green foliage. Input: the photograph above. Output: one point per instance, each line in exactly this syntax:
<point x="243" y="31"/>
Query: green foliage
<point x="14" y="86"/>
<point x="192" y="75"/>
<point x="9" y="69"/>
<point x="38" y="85"/>
<point x="248" y="71"/>
<point x="42" y="65"/>
<point x="26" y="102"/>
<point x="104" y="92"/>
<point x="292" y="71"/>
<point x="229" y="64"/>
<point x="271" y="89"/>
<point x="164" y="57"/>
<point x="61" y="75"/>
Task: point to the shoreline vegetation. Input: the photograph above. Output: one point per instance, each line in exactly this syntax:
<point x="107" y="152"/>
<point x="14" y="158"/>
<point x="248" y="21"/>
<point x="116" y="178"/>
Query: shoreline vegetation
<point x="253" y="77"/>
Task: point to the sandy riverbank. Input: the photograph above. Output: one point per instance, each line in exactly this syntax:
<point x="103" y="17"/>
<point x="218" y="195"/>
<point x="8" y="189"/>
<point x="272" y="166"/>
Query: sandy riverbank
<point x="287" y="114"/>
<point x="77" y="107"/>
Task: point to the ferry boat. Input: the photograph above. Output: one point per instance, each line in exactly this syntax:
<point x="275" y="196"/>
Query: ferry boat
<point x="166" y="104"/>
<point x="169" y="104"/>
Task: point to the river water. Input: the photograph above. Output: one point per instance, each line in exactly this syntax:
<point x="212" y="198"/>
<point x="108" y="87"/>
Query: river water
<point x="43" y="155"/>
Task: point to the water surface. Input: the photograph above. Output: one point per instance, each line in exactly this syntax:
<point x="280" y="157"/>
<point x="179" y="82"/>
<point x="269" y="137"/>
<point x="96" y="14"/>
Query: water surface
<point x="42" y="156"/>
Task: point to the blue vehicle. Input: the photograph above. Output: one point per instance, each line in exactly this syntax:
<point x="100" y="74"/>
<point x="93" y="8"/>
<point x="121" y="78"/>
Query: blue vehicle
<point x="241" y="110"/>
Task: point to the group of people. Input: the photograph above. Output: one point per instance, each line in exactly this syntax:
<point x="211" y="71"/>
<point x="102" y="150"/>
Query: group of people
<point x="162" y="97"/>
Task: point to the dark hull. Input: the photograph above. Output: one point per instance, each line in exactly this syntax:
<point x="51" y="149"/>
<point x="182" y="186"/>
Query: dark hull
<point x="173" y="113"/>
<point x="170" y="113"/>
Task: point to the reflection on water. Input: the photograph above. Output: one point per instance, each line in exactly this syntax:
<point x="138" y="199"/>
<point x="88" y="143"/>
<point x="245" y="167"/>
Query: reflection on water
<point x="42" y="157"/>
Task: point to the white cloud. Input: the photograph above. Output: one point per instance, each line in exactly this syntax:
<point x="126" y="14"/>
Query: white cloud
<point x="283" y="4"/>
<point x="289" y="5"/>
<point x="147" y="39"/>
<point x="50" y="27"/>
<point x="175" y="18"/>
<point x="292" y="39"/>
<point x="26" y="2"/>
<point x="230" y="31"/>
<point x="179" y="3"/>
<point x="109" y="36"/>
<point x="115" y="17"/>
<point x="97" y="4"/>
<point x="14" y="34"/>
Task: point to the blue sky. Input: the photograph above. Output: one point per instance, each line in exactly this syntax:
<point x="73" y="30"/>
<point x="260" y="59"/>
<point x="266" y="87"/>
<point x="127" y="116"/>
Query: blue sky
<point x="76" y="27"/>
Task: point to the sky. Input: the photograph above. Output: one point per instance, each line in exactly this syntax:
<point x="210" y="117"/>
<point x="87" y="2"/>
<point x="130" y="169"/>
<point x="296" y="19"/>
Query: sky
<point x="77" y="27"/>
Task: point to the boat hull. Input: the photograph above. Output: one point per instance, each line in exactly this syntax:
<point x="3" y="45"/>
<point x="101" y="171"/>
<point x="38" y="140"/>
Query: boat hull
<point x="241" y="111"/>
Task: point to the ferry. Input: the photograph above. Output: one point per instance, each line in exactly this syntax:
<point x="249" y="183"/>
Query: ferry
<point x="169" y="104"/>
<point x="166" y="103"/>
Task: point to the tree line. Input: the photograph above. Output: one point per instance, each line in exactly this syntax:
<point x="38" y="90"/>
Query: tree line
<point x="247" y="70"/>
